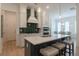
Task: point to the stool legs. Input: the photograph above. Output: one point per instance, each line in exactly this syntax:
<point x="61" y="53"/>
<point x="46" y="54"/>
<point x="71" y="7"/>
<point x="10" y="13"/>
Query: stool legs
<point x="73" y="49"/>
<point x="65" y="51"/>
<point x="70" y="48"/>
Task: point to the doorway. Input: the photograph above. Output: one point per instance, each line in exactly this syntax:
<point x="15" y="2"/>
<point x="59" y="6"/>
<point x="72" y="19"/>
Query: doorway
<point x="9" y="31"/>
<point x="9" y="26"/>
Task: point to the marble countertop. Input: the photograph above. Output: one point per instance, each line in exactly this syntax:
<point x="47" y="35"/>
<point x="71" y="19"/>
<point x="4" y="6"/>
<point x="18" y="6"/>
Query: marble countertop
<point x="39" y="39"/>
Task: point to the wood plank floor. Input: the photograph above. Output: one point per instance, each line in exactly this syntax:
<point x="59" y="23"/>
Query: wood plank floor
<point x="77" y="51"/>
<point x="10" y="49"/>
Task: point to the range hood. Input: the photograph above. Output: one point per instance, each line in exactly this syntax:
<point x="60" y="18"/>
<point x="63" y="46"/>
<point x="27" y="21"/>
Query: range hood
<point x="32" y="18"/>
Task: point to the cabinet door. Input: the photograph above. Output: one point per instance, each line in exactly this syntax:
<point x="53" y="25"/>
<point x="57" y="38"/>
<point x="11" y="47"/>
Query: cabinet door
<point x="23" y="16"/>
<point x="35" y="14"/>
<point x="28" y="13"/>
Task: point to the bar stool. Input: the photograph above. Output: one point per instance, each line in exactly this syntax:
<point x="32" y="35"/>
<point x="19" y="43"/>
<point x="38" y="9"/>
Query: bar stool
<point x="61" y="47"/>
<point x="69" y="47"/>
<point x="49" y="51"/>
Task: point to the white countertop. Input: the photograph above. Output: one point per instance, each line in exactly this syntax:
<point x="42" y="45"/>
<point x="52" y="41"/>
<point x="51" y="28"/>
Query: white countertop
<point x="38" y="39"/>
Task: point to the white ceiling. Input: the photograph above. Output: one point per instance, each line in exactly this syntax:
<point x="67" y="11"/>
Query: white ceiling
<point x="56" y="9"/>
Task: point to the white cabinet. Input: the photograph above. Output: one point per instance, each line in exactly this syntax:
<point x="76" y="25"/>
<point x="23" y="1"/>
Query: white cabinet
<point x="23" y="17"/>
<point x="21" y="37"/>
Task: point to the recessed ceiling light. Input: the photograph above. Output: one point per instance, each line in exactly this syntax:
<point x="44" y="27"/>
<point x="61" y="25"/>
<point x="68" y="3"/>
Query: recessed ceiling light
<point x="47" y="7"/>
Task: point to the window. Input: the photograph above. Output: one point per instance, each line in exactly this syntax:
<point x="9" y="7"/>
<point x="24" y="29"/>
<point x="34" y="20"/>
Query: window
<point x="66" y="26"/>
<point x="59" y="27"/>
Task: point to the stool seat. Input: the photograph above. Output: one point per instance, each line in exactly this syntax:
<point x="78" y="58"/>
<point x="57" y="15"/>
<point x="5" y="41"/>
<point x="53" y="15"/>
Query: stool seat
<point x="49" y="51"/>
<point x="59" y="45"/>
<point x="68" y="42"/>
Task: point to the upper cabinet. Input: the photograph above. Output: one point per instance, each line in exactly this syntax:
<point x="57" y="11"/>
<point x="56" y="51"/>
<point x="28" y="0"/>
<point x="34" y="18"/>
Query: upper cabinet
<point x="28" y="12"/>
<point x="35" y="14"/>
<point x="23" y="17"/>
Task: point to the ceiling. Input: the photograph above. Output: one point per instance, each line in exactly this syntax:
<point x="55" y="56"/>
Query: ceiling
<point x="57" y="9"/>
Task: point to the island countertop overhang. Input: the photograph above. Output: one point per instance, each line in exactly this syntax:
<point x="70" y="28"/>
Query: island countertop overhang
<point x="39" y="40"/>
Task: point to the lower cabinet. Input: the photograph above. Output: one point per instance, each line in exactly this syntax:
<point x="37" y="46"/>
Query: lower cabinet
<point x="21" y="43"/>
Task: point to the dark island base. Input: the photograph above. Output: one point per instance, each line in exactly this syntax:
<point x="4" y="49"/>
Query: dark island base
<point x="34" y="50"/>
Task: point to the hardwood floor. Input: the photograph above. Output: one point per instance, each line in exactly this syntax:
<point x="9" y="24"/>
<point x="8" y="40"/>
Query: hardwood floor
<point x="10" y="49"/>
<point x="77" y="51"/>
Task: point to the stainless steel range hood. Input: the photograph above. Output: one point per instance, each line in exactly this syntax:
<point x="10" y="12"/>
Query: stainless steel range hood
<point x="32" y="18"/>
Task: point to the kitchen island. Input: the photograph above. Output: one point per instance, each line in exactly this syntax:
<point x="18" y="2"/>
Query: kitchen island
<point x="34" y="44"/>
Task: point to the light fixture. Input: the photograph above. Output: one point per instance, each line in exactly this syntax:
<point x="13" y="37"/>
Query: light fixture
<point x="47" y="7"/>
<point x="59" y="17"/>
<point x="38" y="9"/>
